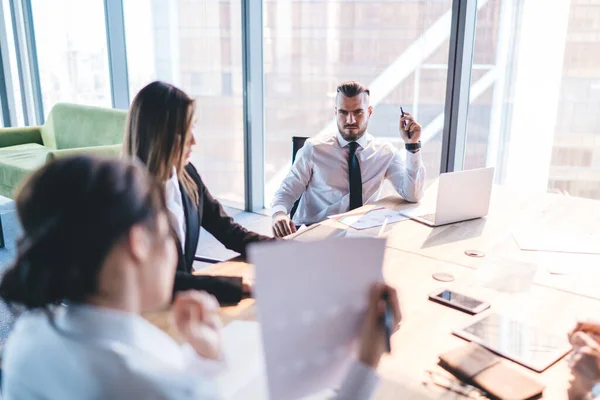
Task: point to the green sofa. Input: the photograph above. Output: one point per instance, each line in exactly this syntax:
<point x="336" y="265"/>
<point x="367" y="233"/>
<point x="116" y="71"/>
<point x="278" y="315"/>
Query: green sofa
<point x="70" y="129"/>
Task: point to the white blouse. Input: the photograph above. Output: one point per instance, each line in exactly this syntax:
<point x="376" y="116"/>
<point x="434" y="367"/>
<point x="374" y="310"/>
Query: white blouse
<point x="175" y="205"/>
<point x="88" y="352"/>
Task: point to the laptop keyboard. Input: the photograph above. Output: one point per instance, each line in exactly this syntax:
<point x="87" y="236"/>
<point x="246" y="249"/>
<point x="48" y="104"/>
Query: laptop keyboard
<point x="428" y="217"/>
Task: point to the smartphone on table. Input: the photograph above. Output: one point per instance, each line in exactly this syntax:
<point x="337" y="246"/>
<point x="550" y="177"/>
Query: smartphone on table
<point x="459" y="301"/>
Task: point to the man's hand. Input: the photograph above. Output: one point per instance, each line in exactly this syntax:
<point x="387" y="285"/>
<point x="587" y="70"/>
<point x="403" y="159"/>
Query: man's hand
<point x="196" y="316"/>
<point x="591" y="328"/>
<point x="408" y="124"/>
<point x="585" y="366"/>
<point x="282" y="225"/>
<point x="372" y="338"/>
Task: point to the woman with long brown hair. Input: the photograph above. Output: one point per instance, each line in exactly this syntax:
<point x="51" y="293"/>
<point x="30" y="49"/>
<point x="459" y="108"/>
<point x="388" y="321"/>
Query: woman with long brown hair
<point x="159" y="134"/>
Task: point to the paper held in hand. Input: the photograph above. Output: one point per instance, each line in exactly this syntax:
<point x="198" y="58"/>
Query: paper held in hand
<point x="311" y="298"/>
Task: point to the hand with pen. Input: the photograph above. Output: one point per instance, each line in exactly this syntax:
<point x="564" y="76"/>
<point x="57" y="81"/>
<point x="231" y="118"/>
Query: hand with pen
<point x="585" y="361"/>
<point x="410" y="130"/>
<point x="374" y="338"/>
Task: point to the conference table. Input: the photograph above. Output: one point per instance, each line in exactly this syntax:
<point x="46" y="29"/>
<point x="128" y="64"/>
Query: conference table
<point x="546" y="289"/>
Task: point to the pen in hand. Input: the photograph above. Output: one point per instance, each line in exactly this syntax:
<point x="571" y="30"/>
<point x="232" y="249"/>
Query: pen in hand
<point x="407" y="132"/>
<point x="388" y="322"/>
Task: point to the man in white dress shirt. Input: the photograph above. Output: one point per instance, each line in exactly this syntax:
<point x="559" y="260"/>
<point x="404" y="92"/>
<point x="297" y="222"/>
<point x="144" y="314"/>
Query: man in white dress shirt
<point x="340" y="172"/>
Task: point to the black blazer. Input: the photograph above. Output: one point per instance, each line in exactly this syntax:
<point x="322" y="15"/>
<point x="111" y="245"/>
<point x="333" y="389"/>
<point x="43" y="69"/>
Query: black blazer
<point x="209" y="214"/>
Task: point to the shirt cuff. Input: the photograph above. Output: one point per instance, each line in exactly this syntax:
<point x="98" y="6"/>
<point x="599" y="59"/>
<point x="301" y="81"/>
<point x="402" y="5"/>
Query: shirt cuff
<point x="201" y="365"/>
<point x="278" y="208"/>
<point x="596" y="391"/>
<point x="359" y="384"/>
<point x="414" y="160"/>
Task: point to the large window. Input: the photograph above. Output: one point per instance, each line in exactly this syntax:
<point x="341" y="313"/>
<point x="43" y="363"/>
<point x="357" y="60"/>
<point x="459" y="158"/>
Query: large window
<point x="11" y="74"/>
<point x="534" y="98"/>
<point x="196" y="45"/>
<point x="397" y="48"/>
<point x="535" y="95"/>
<point x="72" y="52"/>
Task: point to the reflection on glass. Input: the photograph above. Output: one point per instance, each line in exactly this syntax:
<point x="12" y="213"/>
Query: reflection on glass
<point x="72" y="52"/>
<point x="196" y="45"/>
<point x="535" y="95"/>
<point x="460" y="299"/>
<point x="398" y="49"/>
<point x="519" y="342"/>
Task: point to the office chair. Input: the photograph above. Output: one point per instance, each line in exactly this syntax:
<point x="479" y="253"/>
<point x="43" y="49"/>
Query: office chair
<point x="297" y="143"/>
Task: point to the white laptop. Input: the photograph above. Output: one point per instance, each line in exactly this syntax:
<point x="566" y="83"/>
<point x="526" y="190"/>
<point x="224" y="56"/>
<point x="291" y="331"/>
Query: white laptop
<point x="462" y="195"/>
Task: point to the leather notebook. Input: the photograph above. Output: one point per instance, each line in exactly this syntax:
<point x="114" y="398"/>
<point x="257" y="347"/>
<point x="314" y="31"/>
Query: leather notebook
<point x="480" y="367"/>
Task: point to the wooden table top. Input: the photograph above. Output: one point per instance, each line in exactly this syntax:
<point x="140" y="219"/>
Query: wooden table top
<point x="415" y="252"/>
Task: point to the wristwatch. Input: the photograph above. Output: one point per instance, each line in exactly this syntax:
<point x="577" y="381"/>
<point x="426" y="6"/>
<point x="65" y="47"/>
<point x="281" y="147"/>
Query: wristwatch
<point x="413" y="147"/>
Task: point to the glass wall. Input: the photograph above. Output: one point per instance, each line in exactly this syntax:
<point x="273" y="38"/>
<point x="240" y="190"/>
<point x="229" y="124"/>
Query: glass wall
<point x="399" y="49"/>
<point x="72" y="52"/>
<point x="197" y="46"/>
<point x="535" y="95"/>
<point x="13" y="81"/>
<point x="535" y="87"/>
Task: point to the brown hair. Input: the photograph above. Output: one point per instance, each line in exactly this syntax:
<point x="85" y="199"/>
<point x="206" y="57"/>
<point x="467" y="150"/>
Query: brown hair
<point x="158" y="126"/>
<point x="352" y="88"/>
<point x="72" y="212"/>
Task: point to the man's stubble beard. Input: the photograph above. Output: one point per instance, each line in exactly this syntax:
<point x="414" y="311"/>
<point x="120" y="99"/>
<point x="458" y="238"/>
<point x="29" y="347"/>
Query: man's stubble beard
<point x="352" y="137"/>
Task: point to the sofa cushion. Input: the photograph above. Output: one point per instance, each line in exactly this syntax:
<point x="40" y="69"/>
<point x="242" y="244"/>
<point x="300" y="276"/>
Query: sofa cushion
<point x="72" y="125"/>
<point x="16" y="162"/>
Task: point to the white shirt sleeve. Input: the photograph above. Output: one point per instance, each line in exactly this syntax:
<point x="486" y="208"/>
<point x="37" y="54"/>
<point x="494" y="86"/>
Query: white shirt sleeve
<point x="359" y="384"/>
<point x="201" y="365"/>
<point x="295" y="182"/>
<point x="409" y="179"/>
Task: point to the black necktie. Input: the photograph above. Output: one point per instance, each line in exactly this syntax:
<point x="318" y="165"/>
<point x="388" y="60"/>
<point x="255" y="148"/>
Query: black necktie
<point x="354" y="177"/>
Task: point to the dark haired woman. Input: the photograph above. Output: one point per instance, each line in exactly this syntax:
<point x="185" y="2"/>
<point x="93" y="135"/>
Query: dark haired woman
<point x="97" y="252"/>
<point x="159" y="133"/>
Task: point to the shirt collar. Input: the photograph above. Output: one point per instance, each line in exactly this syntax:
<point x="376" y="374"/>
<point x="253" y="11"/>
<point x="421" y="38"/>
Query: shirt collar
<point x="173" y="180"/>
<point x="362" y="142"/>
<point x="172" y="187"/>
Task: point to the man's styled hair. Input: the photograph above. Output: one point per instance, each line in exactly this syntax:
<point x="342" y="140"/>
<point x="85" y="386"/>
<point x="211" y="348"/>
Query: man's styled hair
<point x="352" y="88"/>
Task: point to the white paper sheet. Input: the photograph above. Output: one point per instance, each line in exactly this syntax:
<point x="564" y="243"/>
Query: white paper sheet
<point x="540" y="239"/>
<point x="245" y="376"/>
<point x="561" y="228"/>
<point x="318" y="232"/>
<point x="359" y="211"/>
<point x="311" y="298"/>
<point x="418" y="210"/>
<point x="584" y="265"/>
<point x="372" y="219"/>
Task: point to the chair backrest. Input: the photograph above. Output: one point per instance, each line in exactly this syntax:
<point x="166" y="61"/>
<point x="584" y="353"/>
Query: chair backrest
<point x="297" y="143"/>
<point x="72" y="125"/>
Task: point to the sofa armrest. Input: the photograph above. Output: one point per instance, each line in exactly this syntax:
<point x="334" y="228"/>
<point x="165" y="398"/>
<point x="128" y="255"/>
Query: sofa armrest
<point x="113" y="150"/>
<point x="15" y="136"/>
